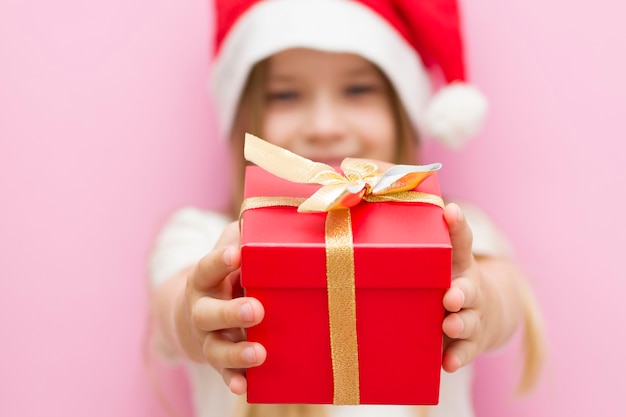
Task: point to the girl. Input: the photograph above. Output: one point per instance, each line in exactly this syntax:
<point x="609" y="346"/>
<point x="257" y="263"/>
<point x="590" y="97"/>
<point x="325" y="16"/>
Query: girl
<point x="329" y="79"/>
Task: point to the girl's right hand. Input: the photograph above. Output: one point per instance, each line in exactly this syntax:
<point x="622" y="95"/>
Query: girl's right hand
<point x="211" y="314"/>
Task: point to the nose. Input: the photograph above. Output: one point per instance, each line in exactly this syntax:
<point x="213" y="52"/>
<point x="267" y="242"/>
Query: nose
<point x="325" y="123"/>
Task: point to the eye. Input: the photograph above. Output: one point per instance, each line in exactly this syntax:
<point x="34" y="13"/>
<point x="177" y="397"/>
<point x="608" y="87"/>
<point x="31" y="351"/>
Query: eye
<point x="360" y="89"/>
<point x="282" y="96"/>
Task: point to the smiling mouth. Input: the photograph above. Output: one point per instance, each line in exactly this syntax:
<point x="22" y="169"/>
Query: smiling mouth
<point x="333" y="162"/>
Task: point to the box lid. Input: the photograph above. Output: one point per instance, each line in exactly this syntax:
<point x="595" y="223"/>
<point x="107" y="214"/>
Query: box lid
<point x="396" y="245"/>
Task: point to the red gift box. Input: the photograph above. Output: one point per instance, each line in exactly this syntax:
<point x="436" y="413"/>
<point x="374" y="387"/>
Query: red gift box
<point x="402" y="267"/>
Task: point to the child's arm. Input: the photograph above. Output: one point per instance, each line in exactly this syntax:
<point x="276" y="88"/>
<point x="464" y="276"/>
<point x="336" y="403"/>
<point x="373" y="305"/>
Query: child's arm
<point x="484" y="302"/>
<point x="199" y="312"/>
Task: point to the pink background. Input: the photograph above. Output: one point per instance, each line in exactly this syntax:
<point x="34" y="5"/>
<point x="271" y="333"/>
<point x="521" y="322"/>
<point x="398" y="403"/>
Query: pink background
<point x="105" y="127"/>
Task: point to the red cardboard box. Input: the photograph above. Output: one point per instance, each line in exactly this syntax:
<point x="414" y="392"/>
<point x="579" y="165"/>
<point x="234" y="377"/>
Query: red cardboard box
<point x="402" y="257"/>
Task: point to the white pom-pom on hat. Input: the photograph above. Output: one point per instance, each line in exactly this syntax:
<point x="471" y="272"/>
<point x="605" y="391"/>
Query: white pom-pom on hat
<point x="455" y="114"/>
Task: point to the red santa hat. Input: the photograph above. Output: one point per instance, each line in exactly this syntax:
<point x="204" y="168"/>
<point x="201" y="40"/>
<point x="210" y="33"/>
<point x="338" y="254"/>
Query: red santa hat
<point x="409" y="40"/>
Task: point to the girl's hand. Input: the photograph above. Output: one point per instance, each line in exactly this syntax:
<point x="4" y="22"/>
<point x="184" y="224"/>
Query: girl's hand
<point x="211" y="314"/>
<point x="469" y="326"/>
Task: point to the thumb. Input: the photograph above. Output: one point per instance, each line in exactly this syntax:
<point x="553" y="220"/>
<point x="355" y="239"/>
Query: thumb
<point x="460" y="237"/>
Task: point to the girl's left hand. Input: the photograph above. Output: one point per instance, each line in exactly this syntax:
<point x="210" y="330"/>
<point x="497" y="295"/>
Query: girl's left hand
<point x="467" y="328"/>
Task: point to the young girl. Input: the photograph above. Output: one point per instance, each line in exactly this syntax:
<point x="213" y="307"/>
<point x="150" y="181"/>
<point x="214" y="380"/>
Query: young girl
<point x="329" y="79"/>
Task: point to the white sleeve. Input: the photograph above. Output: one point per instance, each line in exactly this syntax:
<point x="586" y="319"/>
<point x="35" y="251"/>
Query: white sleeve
<point x="188" y="235"/>
<point x="488" y="239"/>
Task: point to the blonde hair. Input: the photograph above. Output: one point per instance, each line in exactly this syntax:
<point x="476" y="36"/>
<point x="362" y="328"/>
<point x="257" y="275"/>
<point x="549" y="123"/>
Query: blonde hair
<point x="248" y="118"/>
<point x="533" y="341"/>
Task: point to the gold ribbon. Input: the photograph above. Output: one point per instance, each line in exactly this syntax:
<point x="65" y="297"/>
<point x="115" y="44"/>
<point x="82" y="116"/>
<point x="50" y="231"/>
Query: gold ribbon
<point x="362" y="181"/>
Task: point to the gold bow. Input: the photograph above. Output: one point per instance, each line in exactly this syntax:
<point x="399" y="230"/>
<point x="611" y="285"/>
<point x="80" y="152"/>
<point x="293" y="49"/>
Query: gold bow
<point x="362" y="178"/>
<point x="362" y="181"/>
